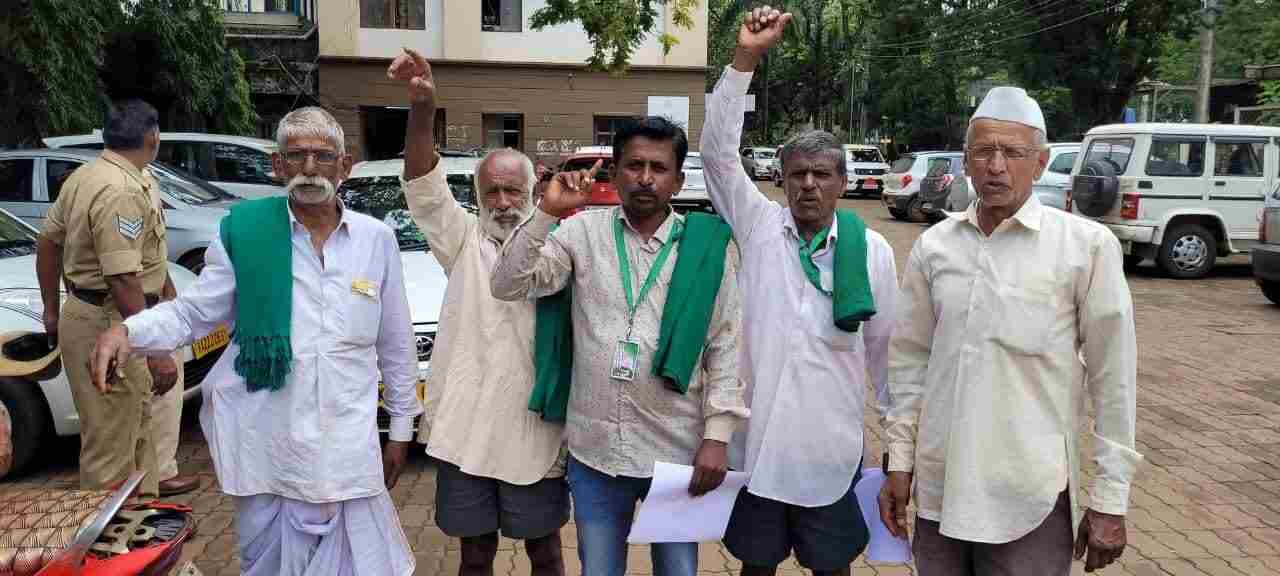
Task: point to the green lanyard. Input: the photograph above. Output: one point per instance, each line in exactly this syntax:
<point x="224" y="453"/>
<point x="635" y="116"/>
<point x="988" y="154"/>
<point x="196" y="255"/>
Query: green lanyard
<point x="806" y="259"/>
<point x="625" y="265"/>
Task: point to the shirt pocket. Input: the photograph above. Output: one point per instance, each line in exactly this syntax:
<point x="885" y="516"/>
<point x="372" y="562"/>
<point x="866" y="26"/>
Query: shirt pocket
<point x="1024" y="320"/>
<point x="363" y="316"/>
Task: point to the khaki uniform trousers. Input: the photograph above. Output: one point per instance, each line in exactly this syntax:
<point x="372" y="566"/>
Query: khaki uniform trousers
<point x="116" y="436"/>
<point x="166" y="422"/>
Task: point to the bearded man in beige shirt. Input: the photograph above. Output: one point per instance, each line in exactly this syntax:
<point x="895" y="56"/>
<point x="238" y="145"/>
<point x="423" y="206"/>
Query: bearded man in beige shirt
<point x="500" y="465"/>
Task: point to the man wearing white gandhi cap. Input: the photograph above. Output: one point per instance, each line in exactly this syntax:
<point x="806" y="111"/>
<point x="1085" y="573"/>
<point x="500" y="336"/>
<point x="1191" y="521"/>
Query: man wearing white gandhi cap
<point x="987" y="389"/>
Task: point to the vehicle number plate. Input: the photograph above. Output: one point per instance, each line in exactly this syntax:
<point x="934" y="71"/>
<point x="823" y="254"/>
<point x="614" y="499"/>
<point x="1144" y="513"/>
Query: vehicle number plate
<point x="870" y="184"/>
<point x="421" y="389"/>
<point x="927" y="206"/>
<point x="215" y="340"/>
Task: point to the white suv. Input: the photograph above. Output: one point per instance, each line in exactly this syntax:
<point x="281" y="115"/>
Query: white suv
<point x="865" y="168"/>
<point x="1183" y="194"/>
<point x="238" y="164"/>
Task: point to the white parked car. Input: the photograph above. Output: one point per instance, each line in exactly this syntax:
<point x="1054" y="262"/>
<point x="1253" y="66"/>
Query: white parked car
<point x="865" y="168"/>
<point x="902" y="184"/>
<point x="693" y="195"/>
<point x="759" y="161"/>
<point x="31" y="179"/>
<point x="1052" y="186"/>
<point x="44" y="406"/>
<point x="1182" y="194"/>
<point x="238" y="164"/>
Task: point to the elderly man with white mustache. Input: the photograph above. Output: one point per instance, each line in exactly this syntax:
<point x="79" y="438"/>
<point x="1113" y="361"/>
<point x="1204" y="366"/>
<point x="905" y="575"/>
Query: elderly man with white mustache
<point x="315" y="297"/>
<point x="500" y="464"/>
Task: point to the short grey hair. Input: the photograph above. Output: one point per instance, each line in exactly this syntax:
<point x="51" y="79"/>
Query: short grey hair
<point x="526" y="166"/>
<point x="310" y="121"/>
<point x="1039" y="140"/>
<point x="815" y="143"/>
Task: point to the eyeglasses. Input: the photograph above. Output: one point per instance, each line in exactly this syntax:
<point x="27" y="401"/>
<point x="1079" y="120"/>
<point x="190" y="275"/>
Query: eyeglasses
<point x="298" y="156"/>
<point x="988" y="153"/>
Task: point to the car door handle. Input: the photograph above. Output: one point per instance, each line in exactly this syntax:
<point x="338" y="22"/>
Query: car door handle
<point x="1219" y="183"/>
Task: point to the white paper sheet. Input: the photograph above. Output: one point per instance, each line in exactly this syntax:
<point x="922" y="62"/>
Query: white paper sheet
<point x="884" y="547"/>
<point x="670" y="514"/>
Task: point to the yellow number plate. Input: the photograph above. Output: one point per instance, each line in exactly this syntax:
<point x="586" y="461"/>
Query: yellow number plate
<point x="215" y="340"/>
<point x="422" y="391"/>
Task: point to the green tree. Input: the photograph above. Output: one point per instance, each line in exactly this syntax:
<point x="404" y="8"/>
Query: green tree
<point x="1246" y="32"/>
<point x="63" y="58"/>
<point x="615" y="27"/>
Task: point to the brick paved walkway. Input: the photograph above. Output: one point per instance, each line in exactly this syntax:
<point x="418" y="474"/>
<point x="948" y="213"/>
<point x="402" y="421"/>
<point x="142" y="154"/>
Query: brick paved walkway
<point x="1207" y="501"/>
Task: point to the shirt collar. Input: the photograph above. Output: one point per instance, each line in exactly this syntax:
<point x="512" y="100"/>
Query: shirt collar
<point x="663" y="233"/>
<point x="1029" y="215"/>
<point x="124" y="164"/>
<point x="344" y="218"/>
<point x="832" y="229"/>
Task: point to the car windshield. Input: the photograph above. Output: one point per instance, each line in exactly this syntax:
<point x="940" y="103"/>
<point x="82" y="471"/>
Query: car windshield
<point x="693" y="163"/>
<point x="187" y="188"/>
<point x="16" y="238"/>
<point x="764" y="154"/>
<point x="903" y="164"/>
<point x="863" y="156"/>
<point x="382" y="198"/>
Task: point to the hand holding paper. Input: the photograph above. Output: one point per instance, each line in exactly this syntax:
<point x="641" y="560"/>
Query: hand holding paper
<point x="670" y="514"/>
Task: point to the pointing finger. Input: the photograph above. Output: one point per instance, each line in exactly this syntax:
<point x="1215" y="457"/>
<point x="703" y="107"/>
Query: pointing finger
<point x="419" y="62"/>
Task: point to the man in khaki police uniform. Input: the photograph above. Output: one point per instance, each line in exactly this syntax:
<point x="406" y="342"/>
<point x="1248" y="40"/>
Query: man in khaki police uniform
<point x="111" y="235"/>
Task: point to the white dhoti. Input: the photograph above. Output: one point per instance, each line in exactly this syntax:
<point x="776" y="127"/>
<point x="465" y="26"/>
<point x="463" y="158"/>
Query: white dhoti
<point x="284" y="537"/>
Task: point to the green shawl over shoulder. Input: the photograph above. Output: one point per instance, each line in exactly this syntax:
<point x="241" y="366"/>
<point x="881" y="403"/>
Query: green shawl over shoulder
<point x="258" y="241"/>
<point x="686" y="316"/>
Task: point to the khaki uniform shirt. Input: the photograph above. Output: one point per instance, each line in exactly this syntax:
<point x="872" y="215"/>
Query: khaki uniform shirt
<point x="108" y="222"/>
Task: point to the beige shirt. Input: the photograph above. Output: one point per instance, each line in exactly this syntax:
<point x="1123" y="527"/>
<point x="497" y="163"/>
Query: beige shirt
<point x="477" y="406"/>
<point x="617" y="427"/>
<point x="1002" y="340"/>
<point x="108" y="222"/>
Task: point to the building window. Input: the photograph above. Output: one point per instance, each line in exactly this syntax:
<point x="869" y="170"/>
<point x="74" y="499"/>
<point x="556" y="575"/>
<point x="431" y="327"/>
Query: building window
<point x="607" y="126"/>
<point x="501" y="15"/>
<point x="504" y="131"/>
<point x="402" y="14"/>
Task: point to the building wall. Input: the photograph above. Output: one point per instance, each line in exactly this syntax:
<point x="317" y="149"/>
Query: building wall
<point x="453" y="31"/>
<point x="559" y="103"/>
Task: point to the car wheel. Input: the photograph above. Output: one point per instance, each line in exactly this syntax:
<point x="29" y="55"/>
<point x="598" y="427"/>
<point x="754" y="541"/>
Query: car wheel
<point x="1188" y="251"/>
<point x="897" y="214"/>
<point x="28" y="421"/>
<point x="1271" y="289"/>
<point x="193" y="261"/>
<point x="915" y="213"/>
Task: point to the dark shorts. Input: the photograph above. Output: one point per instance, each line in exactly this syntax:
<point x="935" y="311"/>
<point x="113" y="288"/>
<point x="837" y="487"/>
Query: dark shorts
<point x="468" y="506"/>
<point x="763" y="532"/>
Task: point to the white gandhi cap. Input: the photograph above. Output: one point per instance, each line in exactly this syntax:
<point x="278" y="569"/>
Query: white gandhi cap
<point x="1010" y="104"/>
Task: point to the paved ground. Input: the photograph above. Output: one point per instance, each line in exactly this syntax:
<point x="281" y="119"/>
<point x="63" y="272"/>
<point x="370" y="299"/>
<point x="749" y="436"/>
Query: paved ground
<point x="1206" y="502"/>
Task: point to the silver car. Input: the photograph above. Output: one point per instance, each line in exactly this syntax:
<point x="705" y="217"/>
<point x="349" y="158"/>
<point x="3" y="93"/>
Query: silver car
<point x="30" y="181"/>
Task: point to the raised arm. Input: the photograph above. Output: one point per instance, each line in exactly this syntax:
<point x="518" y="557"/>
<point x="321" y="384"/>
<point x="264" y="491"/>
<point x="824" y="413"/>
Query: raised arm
<point x="732" y="192"/>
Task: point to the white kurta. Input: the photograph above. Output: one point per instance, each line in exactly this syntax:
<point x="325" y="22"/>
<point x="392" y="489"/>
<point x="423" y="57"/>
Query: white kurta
<point x="806" y="379"/>
<point x="986" y="378"/>
<point x="283" y="537"/>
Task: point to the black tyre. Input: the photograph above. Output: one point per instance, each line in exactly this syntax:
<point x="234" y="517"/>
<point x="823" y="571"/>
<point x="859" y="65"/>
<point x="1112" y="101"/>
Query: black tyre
<point x="1188" y="251"/>
<point x="1271" y="289"/>
<point x="29" y="419"/>
<point x="897" y="214"/>
<point x="915" y="211"/>
<point x="193" y="261"/>
<point x="1095" y="189"/>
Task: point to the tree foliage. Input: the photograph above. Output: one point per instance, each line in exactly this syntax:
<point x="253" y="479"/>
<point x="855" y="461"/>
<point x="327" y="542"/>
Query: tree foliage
<point x="69" y="56"/>
<point x="615" y="27"/>
<point x="1246" y="32"/>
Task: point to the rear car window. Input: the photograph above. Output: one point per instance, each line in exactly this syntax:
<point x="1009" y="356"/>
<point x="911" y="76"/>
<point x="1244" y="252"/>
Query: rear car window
<point x="1240" y="159"/>
<point x="1176" y="157"/>
<point x="56" y="173"/>
<point x="1063" y="163"/>
<point x="15" y="179"/>
<point x="903" y="164"/>
<point x="863" y="156"/>
<point x="938" y="167"/>
<point x="241" y="164"/>
<point x="1115" y="151"/>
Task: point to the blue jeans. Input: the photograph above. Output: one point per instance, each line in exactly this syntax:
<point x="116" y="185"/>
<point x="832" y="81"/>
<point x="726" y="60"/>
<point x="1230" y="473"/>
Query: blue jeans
<point x="603" y="507"/>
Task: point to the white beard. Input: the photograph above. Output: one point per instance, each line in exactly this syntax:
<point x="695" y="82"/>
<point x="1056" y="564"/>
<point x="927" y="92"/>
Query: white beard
<point x="497" y="230"/>
<point x="319" y="190"/>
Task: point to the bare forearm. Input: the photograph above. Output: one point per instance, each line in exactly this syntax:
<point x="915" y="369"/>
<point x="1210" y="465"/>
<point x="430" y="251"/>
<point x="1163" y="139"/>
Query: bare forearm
<point x="419" y="142"/>
<point x="169" y="292"/>
<point x="126" y="291"/>
<point x="49" y="272"/>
